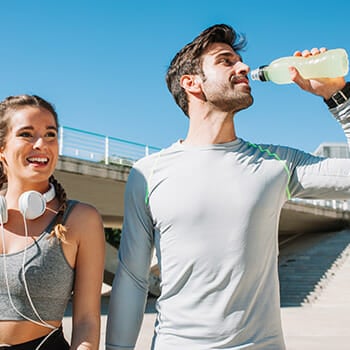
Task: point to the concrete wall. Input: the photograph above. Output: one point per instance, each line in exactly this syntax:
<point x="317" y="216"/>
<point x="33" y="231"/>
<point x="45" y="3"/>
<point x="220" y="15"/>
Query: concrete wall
<point x="95" y="183"/>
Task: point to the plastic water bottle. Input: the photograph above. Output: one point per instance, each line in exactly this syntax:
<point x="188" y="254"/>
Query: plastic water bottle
<point x="329" y="64"/>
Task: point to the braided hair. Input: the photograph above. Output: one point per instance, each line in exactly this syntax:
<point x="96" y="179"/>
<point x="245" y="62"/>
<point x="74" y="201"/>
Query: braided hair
<point x="59" y="231"/>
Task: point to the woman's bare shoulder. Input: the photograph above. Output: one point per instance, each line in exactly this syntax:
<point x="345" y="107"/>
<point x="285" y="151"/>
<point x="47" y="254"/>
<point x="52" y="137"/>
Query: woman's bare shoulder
<point x="85" y="218"/>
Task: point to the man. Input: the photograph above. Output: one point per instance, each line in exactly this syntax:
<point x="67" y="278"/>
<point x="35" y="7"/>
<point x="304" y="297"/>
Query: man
<point x="210" y="204"/>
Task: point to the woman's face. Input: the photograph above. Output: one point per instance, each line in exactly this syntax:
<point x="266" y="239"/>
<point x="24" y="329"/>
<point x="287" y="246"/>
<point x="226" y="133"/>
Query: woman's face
<point x="31" y="146"/>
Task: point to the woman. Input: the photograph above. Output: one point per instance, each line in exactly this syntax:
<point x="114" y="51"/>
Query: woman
<point x="51" y="248"/>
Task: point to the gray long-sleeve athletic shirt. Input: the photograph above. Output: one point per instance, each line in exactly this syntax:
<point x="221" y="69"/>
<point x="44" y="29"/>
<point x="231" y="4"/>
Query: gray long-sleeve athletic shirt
<point x="212" y="213"/>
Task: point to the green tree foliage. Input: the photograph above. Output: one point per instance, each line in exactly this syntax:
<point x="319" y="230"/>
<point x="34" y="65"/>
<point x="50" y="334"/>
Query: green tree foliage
<point x="113" y="236"/>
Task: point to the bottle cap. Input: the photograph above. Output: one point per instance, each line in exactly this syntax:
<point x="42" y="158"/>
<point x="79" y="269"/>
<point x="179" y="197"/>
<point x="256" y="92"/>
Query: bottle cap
<point x="258" y="74"/>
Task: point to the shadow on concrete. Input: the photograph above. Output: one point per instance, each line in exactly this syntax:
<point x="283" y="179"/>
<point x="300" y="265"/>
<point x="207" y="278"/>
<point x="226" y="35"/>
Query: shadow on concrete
<point x="307" y="263"/>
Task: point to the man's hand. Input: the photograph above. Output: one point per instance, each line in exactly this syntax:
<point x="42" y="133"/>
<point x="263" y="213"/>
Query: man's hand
<point x="324" y="87"/>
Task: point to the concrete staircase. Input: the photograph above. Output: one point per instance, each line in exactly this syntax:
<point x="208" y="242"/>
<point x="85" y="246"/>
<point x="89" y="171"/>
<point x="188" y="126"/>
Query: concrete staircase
<point x="322" y="319"/>
<point x="308" y="265"/>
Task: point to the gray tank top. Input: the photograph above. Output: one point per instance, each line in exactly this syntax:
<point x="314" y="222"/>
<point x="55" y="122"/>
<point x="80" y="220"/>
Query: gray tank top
<point x="49" y="279"/>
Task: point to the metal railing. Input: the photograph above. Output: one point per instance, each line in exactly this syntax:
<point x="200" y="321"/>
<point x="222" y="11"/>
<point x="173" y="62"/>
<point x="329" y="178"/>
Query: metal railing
<point x="334" y="204"/>
<point x="100" y="148"/>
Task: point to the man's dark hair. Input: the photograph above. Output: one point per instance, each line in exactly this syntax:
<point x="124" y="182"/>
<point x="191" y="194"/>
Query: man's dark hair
<point x="188" y="59"/>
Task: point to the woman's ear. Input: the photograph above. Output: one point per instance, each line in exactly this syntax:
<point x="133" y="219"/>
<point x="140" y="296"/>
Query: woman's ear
<point x="191" y="83"/>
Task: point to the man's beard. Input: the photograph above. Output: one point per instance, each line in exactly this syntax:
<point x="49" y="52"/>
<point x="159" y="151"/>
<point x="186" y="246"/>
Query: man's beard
<point x="227" y="98"/>
<point x="230" y="101"/>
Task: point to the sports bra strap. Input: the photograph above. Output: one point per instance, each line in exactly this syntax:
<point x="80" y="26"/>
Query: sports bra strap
<point x="70" y="205"/>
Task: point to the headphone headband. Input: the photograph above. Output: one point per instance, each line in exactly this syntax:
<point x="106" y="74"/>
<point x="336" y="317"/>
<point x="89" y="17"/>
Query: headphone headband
<point x="50" y="194"/>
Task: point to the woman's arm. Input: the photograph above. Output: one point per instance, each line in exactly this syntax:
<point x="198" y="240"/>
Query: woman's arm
<point x="86" y="226"/>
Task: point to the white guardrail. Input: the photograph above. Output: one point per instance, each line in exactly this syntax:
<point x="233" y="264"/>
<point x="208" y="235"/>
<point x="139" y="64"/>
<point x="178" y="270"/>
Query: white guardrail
<point x="111" y="150"/>
<point x="334" y="204"/>
<point x="99" y="148"/>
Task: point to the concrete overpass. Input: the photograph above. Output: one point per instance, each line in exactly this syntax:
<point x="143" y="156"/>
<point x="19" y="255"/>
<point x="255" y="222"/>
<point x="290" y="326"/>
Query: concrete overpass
<point x="95" y="183"/>
<point x="103" y="186"/>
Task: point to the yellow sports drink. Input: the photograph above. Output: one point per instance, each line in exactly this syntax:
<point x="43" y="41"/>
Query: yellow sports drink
<point x="329" y="64"/>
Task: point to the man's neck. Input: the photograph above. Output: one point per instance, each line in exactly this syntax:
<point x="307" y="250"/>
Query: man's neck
<point x="210" y="129"/>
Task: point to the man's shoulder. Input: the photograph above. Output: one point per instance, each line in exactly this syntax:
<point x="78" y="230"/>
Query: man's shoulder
<point x="148" y="161"/>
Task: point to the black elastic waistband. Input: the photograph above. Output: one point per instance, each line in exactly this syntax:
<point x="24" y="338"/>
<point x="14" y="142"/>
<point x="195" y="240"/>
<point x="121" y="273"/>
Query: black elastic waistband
<point x="32" y="344"/>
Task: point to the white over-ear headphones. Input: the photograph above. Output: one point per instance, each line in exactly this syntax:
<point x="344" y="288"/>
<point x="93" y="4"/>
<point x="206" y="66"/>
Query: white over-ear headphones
<point x="32" y="204"/>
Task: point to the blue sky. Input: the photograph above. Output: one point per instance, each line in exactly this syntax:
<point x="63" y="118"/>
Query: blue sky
<point x="102" y="63"/>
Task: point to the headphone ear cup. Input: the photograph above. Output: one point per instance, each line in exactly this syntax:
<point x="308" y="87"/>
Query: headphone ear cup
<point x="32" y="204"/>
<point x="3" y="209"/>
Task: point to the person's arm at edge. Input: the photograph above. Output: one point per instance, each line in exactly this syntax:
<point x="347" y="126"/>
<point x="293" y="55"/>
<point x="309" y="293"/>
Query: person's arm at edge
<point x="88" y="277"/>
<point x="326" y="88"/>
<point x="130" y="285"/>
